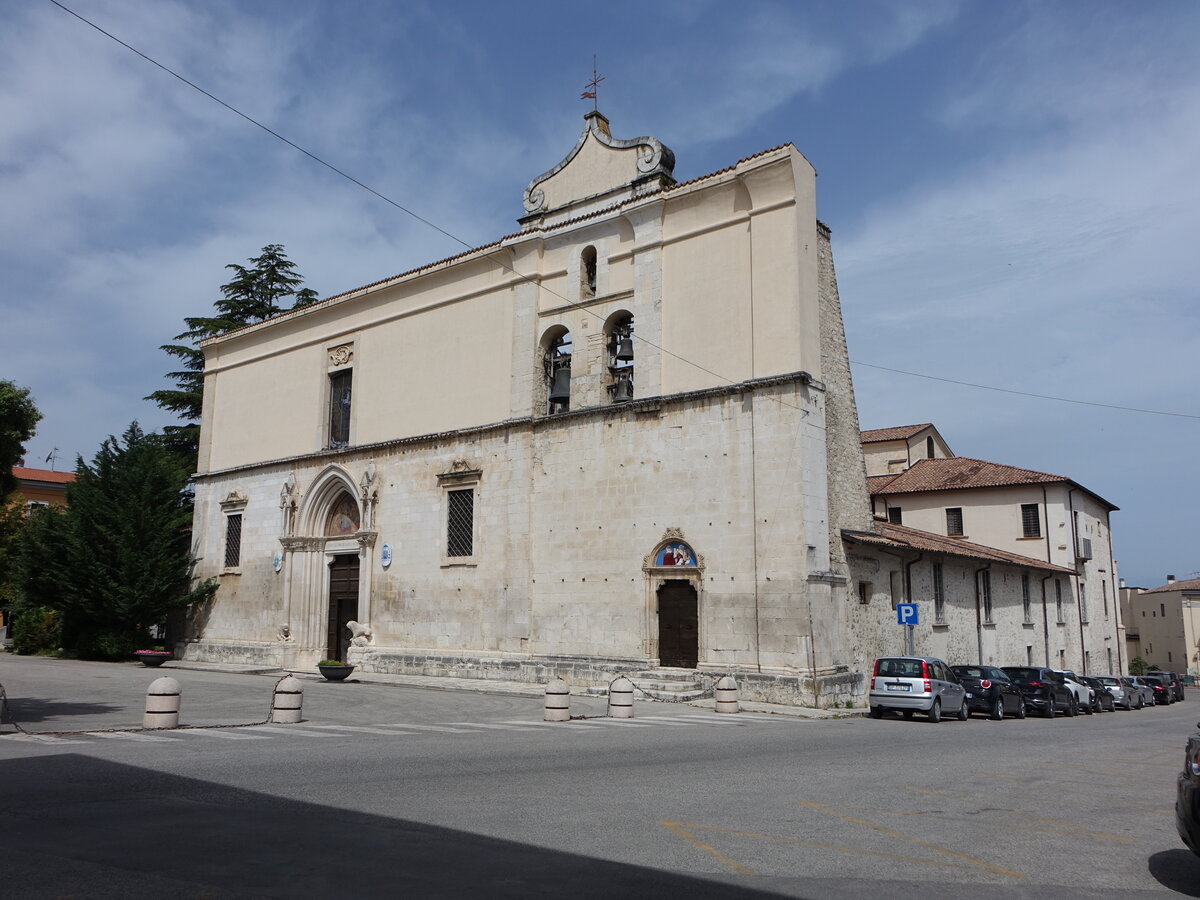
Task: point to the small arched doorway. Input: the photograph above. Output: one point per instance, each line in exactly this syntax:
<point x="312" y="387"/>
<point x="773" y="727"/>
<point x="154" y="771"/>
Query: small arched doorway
<point x="678" y="625"/>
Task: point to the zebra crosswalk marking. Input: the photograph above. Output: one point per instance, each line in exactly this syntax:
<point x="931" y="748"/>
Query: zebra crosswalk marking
<point x="442" y="728"/>
<point x="131" y="736"/>
<point x="290" y="729"/>
<point x="364" y="729"/>
<point x="494" y="726"/>
<point x="228" y="734"/>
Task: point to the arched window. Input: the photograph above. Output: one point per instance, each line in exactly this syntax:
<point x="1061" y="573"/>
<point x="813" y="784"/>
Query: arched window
<point x="557" y="363"/>
<point x="343" y="517"/>
<point x="620" y="358"/>
<point x="587" y="273"/>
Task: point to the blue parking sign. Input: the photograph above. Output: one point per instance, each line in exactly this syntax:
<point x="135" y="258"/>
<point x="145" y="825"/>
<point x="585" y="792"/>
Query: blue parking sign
<point x="906" y="614"/>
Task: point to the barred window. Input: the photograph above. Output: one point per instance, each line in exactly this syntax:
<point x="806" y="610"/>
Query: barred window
<point x="1031" y="520"/>
<point x="954" y="521"/>
<point x="233" y="541"/>
<point x="985" y="594"/>
<point x="895" y="515"/>
<point x="1083" y="610"/>
<point x="1058" y="606"/>
<point x="1026" y="604"/>
<point x="864" y="592"/>
<point x="939" y="595"/>
<point x="460" y="523"/>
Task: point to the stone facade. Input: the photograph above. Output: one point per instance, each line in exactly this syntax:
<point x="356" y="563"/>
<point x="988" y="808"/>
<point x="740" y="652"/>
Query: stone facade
<point x="492" y="532"/>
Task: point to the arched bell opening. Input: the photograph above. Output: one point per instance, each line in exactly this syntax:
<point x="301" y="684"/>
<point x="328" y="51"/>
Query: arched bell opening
<point x="618" y="331"/>
<point x="557" y="350"/>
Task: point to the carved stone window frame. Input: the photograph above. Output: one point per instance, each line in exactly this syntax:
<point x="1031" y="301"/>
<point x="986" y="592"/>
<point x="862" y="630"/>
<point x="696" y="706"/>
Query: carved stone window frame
<point x="462" y="475"/>
<point x="339" y="358"/>
<point x="234" y="504"/>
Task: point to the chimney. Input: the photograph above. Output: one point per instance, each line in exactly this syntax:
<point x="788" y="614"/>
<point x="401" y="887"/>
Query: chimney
<point x="1121" y="583"/>
<point x="1170" y="579"/>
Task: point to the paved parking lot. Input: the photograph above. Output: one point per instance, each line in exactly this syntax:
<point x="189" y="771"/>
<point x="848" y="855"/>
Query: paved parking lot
<point x="452" y="794"/>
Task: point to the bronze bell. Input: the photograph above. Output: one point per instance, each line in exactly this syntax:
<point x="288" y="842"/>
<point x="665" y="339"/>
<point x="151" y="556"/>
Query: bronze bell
<point x="625" y="349"/>
<point x="560" y="388"/>
<point x="623" y="390"/>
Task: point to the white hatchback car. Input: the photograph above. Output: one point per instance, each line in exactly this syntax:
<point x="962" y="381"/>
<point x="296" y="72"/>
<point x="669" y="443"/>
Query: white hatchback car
<point x="916" y="684"/>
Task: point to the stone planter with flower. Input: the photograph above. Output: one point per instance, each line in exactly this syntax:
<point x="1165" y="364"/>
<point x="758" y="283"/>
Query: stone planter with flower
<point x="153" y="658"/>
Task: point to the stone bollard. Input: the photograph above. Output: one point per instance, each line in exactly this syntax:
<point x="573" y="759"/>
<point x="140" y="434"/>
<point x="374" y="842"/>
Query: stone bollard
<point x="620" y="698"/>
<point x="162" y="704"/>
<point x="727" y="695"/>
<point x="288" y="702"/>
<point x="558" y="701"/>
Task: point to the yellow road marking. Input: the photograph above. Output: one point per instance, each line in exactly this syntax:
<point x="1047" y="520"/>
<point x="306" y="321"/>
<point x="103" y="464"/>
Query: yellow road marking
<point x="1007" y="826"/>
<point x="979" y="863"/>
<point x="679" y="829"/>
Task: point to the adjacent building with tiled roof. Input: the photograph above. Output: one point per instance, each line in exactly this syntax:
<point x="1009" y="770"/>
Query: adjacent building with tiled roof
<point x="892" y="450"/>
<point x="42" y="487"/>
<point x="1023" y="512"/>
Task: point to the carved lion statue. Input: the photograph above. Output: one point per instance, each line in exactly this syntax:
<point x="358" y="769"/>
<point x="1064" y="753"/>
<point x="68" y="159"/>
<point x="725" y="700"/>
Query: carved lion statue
<point x="360" y="634"/>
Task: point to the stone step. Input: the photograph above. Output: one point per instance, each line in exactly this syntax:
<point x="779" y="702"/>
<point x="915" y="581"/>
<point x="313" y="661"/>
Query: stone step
<point x="672" y="696"/>
<point x="683" y="675"/>
<point x="656" y="684"/>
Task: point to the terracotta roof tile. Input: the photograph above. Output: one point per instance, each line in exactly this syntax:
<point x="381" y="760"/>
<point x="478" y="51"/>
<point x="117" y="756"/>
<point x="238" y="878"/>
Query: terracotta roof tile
<point x="885" y="534"/>
<point x="876" y="483"/>
<point x="1190" y="585"/>
<point x="44" y="475"/>
<point x="898" y="433"/>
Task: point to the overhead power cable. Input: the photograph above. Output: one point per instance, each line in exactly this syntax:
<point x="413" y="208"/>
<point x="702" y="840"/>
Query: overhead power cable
<point x="988" y="387"/>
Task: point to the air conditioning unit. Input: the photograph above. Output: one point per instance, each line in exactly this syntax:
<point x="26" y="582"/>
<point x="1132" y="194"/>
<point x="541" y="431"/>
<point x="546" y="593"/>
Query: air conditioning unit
<point x="1085" y="549"/>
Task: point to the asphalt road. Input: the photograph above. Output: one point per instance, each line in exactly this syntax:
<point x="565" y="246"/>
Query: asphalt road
<point x="394" y="791"/>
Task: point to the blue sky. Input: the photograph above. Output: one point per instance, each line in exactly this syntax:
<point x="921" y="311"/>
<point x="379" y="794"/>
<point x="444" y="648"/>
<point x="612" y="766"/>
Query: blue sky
<point x="1012" y="190"/>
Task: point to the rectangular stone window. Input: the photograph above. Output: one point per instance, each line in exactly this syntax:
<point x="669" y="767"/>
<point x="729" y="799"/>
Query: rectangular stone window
<point x="340" y="384"/>
<point x="954" y="521"/>
<point x="1026" y="600"/>
<point x="1083" y="609"/>
<point x="1031" y="520"/>
<point x="985" y="595"/>
<point x="864" y="592"/>
<point x="460" y="523"/>
<point x="895" y="515"/>
<point x="1058" y="604"/>
<point x="233" y="541"/>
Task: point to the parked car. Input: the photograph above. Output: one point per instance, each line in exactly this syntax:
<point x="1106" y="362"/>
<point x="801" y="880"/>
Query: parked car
<point x="1175" y="680"/>
<point x="991" y="691"/>
<point x="1102" y="697"/>
<point x="1123" y="693"/>
<point x="1163" y="695"/>
<point x="1145" y="692"/>
<point x="1082" y="693"/>
<point x="916" y="684"/>
<point x="1187" y="796"/>
<point x="1045" y="690"/>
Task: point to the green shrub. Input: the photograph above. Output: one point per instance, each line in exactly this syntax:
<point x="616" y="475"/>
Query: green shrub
<point x="36" y="630"/>
<point x="331" y="662"/>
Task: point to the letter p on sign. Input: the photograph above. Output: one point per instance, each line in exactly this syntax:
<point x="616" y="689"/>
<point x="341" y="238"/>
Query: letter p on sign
<point x="906" y="614"/>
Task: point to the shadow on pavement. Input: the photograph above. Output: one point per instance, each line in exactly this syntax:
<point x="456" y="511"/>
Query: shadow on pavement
<point x="101" y="829"/>
<point x="25" y="710"/>
<point x="1178" y="870"/>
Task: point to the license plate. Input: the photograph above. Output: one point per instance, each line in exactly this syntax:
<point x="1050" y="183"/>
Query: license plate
<point x="899" y="687"/>
<point x="970" y="696"/>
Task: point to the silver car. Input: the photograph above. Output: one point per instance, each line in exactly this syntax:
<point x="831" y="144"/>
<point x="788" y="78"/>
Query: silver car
<point x="1125" y="695"/>
<point x="916" y="684"/>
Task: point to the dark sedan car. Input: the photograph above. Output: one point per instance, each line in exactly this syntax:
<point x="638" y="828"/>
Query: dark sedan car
<point x="1044" y="689"/>
<point x="1174" y="680"/>
<point x="991" y="691"/>
<point x="1187" y="796"/>
<point x="1164" y="694"/>
<point x="1103" y="699"/>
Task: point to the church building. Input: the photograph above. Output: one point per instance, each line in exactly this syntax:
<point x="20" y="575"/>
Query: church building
<point x="621" y="439"/>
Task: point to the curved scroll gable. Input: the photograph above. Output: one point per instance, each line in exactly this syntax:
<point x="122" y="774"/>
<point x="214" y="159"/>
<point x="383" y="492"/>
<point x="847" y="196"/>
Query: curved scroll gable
<point x="652" y="158"/>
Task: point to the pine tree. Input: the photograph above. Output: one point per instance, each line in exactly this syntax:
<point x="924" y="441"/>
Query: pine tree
<point x="117" y="559"/>
<point x="253" y="295"/>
